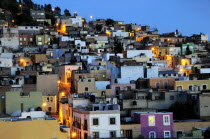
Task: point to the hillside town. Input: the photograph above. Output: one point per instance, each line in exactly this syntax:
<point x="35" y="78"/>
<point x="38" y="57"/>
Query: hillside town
<point x="64" y="76"/>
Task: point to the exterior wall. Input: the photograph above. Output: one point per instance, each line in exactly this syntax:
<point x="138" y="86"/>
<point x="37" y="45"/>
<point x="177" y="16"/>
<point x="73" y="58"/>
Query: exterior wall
<point x="169" y="80"/>
<point x="205" y="70"/>
<point x="6" y="60"/>
<point x="82" y="84"/>
<point x="134" y="53"/>
<point x="152" y="72"/>
<point x="10" y="41"/>
<point x="102" y="84"/>
<point x="99" y="75"/>
<point x="136" y="129"/>
<point x="103" y="128"/>
<point x="26" y="40"/>
<point x="185" y="84"/>
<point x="49" y="104"/>
<point x="65" y="72"/>
<point x="14" y="100"/>
<point x="32" y="130"/>
<point x="121" y="87"/>
<point x="132" y="72"/>
<point x="119" y="33"/>
<point x="186" y="127"/>
<point x="159" y="126"/>
<point x="204" y="106"/>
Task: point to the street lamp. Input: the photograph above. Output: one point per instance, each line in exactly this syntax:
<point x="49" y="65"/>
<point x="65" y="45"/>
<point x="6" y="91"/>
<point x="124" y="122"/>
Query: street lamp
<point x="21" y="7"/>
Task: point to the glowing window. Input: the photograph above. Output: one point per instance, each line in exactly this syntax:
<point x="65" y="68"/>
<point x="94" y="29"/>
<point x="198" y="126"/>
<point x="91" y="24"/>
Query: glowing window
<point x="151" y="120"/>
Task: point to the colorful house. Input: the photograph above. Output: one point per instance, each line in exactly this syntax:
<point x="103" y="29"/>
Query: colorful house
<point x="155" y="125"/>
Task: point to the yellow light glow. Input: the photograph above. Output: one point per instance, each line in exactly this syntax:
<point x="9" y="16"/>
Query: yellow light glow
<point x="153" y="49"/>
<point x="59" y="81"/>
<point x="13" y="21"/>
<point x="181" y="70"/>
<point x="21" y="60"/>
<point x="44" y="104"/>
<point x="62" y="94"/>
<point x="73" y="134"/>
<point x="20" y="5"/>
<point x="151" y="120"/>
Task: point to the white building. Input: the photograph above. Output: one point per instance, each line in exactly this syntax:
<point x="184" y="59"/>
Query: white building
<point x="135" y="53"/>
<point x="106" y="56"/>
<point x="119" y="33"/>
<point x="174" y="51"/>
<point x="97" y="121"/>
<point x="6" y="59"/>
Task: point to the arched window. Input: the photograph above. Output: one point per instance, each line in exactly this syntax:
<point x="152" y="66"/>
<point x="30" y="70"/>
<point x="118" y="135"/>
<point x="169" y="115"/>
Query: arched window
<point x="152" y="134"/>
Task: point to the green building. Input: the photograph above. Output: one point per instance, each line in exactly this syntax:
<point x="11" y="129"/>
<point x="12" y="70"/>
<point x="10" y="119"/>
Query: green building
<point x="16" y="101"/>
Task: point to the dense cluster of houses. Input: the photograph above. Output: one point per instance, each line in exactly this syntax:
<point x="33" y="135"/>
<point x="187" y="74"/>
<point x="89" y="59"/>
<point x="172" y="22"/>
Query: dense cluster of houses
<point x="105" y="80"/>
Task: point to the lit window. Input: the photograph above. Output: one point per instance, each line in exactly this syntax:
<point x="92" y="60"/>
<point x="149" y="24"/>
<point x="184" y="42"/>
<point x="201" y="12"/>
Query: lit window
<point x="151" y="120"/>
<point x="166" y="120"/>
<point x="167" y="134"/>
<point x="24" y="39"/>
<point x="20" y="39"/>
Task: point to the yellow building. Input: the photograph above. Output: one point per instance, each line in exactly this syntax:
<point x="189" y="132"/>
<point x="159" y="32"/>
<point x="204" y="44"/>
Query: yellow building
<point x="194" y="85"/>
<point x="37" y="129"/>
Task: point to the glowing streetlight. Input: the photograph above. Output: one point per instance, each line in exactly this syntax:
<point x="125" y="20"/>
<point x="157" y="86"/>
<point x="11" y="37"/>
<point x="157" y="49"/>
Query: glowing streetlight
<point x="91" y="17"/>
<point x="44" y="104"/>
<point x="73" y="134"/>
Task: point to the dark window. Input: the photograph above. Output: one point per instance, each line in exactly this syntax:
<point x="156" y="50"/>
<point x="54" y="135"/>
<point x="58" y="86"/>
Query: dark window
<point x="157" y="85"/>
<point x="157" y="97"/>
<point x="190" y="87"/>
<point x="112" y="134"/>
<point x="95" y="134"/>
<point x="86" y="88"/>
<point x="95" y="121"/>
<point x="89" y="80"/>
<point x="112" y="121"/>
<point x="171" y="97"/>
<point x="204" y="86"/>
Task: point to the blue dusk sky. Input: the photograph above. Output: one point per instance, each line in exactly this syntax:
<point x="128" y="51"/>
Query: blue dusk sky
<point x="188" y="16"/>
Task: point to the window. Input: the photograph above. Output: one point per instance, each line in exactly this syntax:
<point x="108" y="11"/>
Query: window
<point x="21" y="39"/>
<point x="166" y="85"/>
<point x="89" y="80"/>
<point x="171" y="97"/>
<point x="190" y="87"/>
<point x="86" y="88"/>
<point x="179" y="88"/>
<point x="95" y="134"/>
<point x="151" y="120"/>
<point x="157" y="85"/>
<point x="95" y="121"/>
<point x="167" y="134"/>
<point x="152" y="134"/>
<point x="24" y="39"/>
<point x="31" y="39"/>
<point x="166" y="119"/>
<point x="112" y="134"/>
<point x="157" y="97"/>
<point x="39" y="39"/>
<point x="111" y="121"/>
<point x="204" y="86"/>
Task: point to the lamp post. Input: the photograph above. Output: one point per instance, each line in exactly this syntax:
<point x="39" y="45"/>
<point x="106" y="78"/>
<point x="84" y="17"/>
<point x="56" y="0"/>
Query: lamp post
<point x="21" y="8"/>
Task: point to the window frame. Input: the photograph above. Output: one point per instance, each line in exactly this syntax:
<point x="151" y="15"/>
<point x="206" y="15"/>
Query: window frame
<point x="115" y="133"/>
<point x="154" y="134"/>
<point x="96" y="136"/>
<point x="164" y="122"/>
<point x="169" y="134"/>
<point x="94" y="123"/>
<point x="151" y="124"/>
<point x="110" y="120"/>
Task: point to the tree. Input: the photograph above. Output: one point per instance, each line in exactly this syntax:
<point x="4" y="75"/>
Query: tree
<point x="118" y="47"/>
<point x="98" y="27"/>
<point x="188" y="52"/>
<point x="110" y="22"/>
<point x="57" y="11"/>
<point x="48" y="8"/>
<point x="67" y="13"/>
<point x="182" y="111"/>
